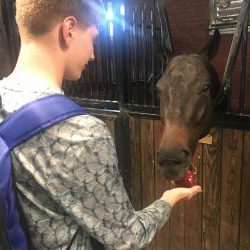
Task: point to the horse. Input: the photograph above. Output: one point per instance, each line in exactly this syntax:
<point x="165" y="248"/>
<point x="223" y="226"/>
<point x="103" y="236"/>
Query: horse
<point x="186" y="91"/>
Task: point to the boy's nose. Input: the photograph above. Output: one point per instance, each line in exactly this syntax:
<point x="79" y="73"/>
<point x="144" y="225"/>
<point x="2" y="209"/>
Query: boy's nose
<point x="92" y="58"/>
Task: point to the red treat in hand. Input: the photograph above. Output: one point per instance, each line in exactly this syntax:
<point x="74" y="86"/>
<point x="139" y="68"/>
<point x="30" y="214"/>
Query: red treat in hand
<point x="187" y="181"/>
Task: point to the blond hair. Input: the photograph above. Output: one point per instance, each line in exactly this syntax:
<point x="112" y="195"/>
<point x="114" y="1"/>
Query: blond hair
<point x="36" y="17"/>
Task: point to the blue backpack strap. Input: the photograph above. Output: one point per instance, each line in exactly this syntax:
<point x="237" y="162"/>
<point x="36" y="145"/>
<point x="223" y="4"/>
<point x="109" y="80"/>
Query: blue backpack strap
<point x="37" y="115"/>
<point x="14" y="130"/>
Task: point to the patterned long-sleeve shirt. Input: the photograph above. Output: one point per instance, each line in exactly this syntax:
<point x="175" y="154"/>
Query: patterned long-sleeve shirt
<point x="69" y="185"/>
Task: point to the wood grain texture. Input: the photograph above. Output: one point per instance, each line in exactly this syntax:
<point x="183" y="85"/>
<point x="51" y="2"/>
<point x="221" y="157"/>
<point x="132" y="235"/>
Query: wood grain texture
<point x="147" y="166"/>
<point x="109" y="120"/>
<point x="212" y="161"/>
<point x="193" y="209"/>
<point x="230" y="188"/>
<point x="161" y="185"/>
<point x="245" y="201"/>
<point x="177" y="226"/>
<point x="135" y="153"/>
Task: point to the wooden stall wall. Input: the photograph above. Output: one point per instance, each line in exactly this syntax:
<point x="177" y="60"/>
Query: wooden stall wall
<point x="219" y="217"/>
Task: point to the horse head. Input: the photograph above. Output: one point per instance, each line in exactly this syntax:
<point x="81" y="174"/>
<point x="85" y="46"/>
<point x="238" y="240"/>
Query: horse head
<point x="186" y="88"/>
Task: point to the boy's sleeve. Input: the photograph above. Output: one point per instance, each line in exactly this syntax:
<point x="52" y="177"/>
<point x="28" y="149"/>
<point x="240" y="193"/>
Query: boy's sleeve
<point x="90" y="189"/>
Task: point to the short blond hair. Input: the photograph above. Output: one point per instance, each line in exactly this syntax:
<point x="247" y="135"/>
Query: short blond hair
<point x="36" y="17"/>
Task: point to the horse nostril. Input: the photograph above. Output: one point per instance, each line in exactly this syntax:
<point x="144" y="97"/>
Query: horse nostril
<point x="184" y="153"/>
<point x="160" y="157"/>
<point x="174" y="156"/>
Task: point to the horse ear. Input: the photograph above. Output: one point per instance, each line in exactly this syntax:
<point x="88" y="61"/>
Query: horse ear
<point x="210" y="50"/>
<point x="166" y="54"/>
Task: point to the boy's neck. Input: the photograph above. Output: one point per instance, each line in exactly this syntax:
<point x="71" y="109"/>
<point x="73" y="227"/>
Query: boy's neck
<point x="39" y="65"/>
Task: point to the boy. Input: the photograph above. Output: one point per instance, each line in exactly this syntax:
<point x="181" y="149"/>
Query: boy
<point x="67" y="179"/>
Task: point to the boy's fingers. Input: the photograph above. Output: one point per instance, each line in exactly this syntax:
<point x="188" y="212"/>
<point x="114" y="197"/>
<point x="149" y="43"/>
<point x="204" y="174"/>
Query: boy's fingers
<point x="195" y="190"/>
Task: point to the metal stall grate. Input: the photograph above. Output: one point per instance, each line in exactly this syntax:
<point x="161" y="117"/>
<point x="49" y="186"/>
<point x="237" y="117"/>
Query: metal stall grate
<point x="224" y="15"/>
<point x="236" y="113"/>
<point x="128" y="56"/>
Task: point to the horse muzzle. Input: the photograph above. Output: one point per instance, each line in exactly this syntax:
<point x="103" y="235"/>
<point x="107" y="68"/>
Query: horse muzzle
<point x="174" y="163"/>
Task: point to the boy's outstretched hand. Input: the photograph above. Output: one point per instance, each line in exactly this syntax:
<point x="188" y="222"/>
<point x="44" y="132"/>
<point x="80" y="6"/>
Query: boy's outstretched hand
<point x="175" y="195"/>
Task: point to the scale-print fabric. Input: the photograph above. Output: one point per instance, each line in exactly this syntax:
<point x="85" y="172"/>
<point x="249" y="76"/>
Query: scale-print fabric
<point x="69" y="185"/>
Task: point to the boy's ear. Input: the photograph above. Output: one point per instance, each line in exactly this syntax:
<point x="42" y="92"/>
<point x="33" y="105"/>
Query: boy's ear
<point x="68" y="26"/>
<point x="211" y="48"/>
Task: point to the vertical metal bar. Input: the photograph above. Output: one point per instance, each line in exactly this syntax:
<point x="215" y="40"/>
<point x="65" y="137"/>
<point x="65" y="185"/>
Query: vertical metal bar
<point x="153" y="72"/>
<point x="132" y="56"/>
<point x="166" y="38"/>
<point x="94" y="80"/>
<point x="96" y="70"/>
<point x="102" y="64"/>
<point x="129" y="53"/>
<point x="81" y="87"/>
<point x="125" y="77"/>
<point x="84" y="83"/>
<point x="243" y="64"/>
<point x="141" y="59"/>
<point x="108" y="89"/>
<point x="90" y="82"/>
<point x="101" y="74"/>
<point x="121" y="73"/>
<point x="104" y="41"/>
<point x="144" y="54"/>
<point x="87" y="73"/>
<point x="112" y="58"/>
<point x="227" y="76"/>
<point x="137" y="37"/>
<point x="105" y="63"/>
<point x="11" y="33"/>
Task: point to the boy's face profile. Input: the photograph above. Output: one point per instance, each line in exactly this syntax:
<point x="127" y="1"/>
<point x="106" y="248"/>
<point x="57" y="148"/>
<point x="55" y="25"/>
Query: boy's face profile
<point x="63" y="34"/>
<point x="79" y="48"/>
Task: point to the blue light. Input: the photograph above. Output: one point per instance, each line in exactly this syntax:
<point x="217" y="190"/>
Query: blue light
<point x="111" y="29"/>
<point x="122" y="10"/>
<point x="123" y="25"/>
<point x="110" y="14"/>
<point x="113" y="19"/>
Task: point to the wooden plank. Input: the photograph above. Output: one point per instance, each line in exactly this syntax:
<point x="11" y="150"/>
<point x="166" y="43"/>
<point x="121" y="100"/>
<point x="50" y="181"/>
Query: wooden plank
<point x="161" y="185"/>
<point x="211" y="191"/>
<point x="147" y="158"/>
<point x="109" y="120"/>
<point x="245" y="201"/>
<point x="122" y="135"/>
<point x="135" y="153"/>
<point x="177" y="226"/>
<point x="193" y="209"/>
<point x="230" y="188"/>
<point x="147" y="166"/>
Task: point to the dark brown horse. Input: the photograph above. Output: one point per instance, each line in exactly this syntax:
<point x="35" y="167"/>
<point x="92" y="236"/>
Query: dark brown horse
<point x="186" y="92"/>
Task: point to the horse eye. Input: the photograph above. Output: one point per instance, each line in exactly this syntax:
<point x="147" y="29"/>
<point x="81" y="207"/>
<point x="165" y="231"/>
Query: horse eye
<point x="158" y="92"/>
<point x="158" y="88"/>
<point x="205" y="89"/>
